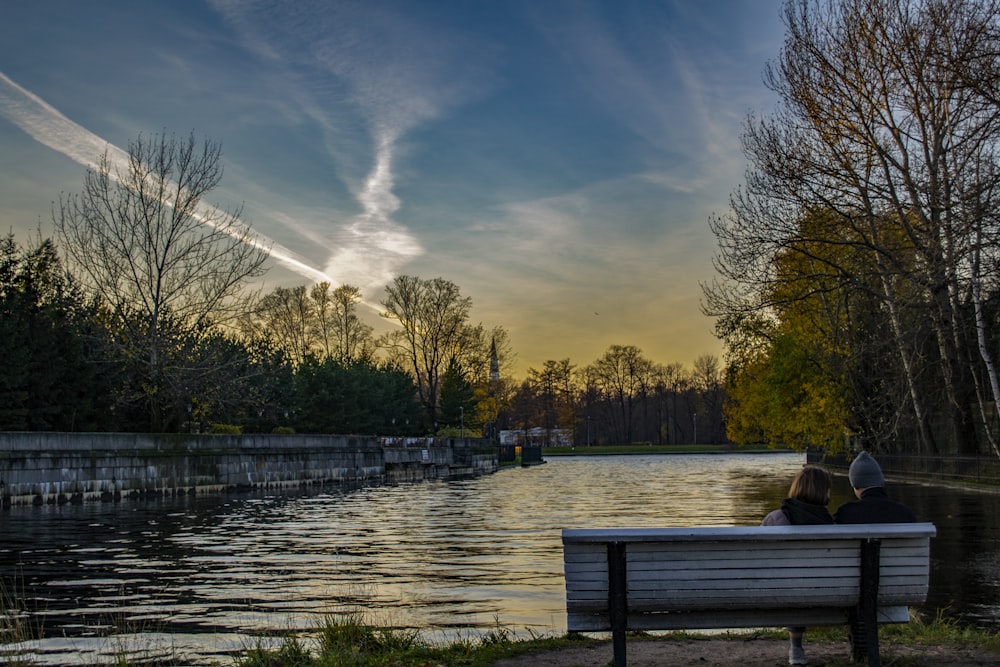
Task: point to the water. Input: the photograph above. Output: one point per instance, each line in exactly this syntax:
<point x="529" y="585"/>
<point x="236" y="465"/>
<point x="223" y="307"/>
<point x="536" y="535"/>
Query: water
<point x="198" y="577"/>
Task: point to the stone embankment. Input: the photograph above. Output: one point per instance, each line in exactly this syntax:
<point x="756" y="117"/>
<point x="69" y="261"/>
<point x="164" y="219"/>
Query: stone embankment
<point x="40" y="468"/>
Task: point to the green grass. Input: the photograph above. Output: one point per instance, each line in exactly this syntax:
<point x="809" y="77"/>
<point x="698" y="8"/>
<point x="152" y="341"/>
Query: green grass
<point x="940" y="630"/>
<point x="919" y="631"/>
<point x="347" y="641"/>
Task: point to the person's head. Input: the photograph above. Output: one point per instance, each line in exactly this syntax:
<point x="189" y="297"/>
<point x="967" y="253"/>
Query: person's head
<point x="811" y="485"/>
<point x="865" y="473"/>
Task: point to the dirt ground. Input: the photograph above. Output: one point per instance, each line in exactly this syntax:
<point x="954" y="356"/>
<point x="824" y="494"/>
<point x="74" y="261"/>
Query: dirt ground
<point x="748" y="652"/>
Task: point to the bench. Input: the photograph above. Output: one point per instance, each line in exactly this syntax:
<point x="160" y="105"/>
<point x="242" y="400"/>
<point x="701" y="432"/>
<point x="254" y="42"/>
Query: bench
<point x="632" y="579"/>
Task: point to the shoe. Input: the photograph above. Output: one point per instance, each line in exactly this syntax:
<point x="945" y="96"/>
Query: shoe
<point x="797" y="656"/>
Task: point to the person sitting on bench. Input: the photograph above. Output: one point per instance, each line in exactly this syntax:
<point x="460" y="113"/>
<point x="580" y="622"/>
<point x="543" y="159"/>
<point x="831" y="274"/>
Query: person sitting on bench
<point x="805" y="505"/>
<point x="873" y="504"/>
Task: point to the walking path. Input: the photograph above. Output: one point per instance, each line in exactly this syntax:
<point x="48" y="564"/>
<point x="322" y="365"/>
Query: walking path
<point x="747" y="652"/>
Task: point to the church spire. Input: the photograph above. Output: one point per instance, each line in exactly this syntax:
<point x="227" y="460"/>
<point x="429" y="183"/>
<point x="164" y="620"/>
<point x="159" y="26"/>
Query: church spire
<point x="494" y="362"/>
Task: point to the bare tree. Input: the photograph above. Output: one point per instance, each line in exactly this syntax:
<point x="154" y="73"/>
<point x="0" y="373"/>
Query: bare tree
<point x="885" y="130"/>
<point x="286" y="317"/>
<point x="670" y="381"/>
<point x="323" y="323"/>
<point x="432" y="315"/>
<point x="141" y="239"/>
<point x="353" y="338"/>
<point x="620" y="376"/>
<point x="472" y="352"/>
<point x="554" y="389"/>
<point x="707" y="379"/>
<point x="314" y="322"/>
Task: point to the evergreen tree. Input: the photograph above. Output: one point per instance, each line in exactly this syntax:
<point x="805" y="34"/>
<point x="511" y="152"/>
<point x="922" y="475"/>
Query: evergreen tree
<point x="54" y="370"/>
<point x="360" y="397"/>
<point x="458" y="400"/>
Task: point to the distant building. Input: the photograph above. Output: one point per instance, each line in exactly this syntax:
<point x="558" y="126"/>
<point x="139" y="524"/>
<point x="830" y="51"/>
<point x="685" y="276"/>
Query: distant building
<point x="555" y="437"/>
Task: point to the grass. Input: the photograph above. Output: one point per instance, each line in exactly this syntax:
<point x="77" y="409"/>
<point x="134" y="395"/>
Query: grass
<point x="17" y="630"/>
<point x="346" y="641"/>
<point x="940" y="630"/>
<point x="920" y="631"/>
<point x="125" y="642"/>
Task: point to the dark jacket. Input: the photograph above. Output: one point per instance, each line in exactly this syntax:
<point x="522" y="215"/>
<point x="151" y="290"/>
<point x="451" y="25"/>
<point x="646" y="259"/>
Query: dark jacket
<point x="795" y="512"/>
<point x="875" y="506"/>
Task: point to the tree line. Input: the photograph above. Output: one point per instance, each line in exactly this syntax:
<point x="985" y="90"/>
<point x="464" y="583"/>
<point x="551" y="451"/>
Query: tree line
<point x="623" y="397"/>
<point x="858" y="265"/>
<point x="149" y="325"/>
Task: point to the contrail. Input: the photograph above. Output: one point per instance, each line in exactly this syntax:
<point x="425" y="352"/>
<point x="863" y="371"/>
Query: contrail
<point x="46" y="125"/>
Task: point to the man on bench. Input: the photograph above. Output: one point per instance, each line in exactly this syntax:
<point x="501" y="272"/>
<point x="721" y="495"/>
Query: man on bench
<point x="872" y="506"/>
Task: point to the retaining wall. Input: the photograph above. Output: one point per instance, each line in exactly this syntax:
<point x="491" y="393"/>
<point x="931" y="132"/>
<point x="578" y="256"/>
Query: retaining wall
<point x="38" y="468"/>
<point x="962" y="469"/>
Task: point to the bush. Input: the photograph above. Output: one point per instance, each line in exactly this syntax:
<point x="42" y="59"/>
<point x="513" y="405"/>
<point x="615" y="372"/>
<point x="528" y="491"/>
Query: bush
<point x="283" y="430"/>
<point x="225" y="429"/>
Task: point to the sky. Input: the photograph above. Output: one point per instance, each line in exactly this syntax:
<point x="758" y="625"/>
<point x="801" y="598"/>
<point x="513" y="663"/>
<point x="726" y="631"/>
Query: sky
<point x="558" y="160"/>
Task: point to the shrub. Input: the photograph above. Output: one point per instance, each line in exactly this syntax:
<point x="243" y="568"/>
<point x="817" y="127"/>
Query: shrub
<point x="225" y="429"/>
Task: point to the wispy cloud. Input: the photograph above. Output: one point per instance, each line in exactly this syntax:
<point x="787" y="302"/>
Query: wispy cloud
<point x="639" y="94"/>
<point x="662" y="74"/>
<point x="48" y="126"/>
<point x="395" y="74"/>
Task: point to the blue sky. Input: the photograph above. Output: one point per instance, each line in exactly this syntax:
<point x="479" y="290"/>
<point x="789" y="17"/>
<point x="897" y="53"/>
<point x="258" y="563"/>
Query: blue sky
<point x="559" y="161"/>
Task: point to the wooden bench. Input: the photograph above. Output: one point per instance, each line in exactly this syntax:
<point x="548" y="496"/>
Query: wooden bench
<point x="630" y="579"/>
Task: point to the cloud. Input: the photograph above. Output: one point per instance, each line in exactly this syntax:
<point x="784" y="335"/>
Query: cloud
<point x="639" y="94"/>
<point x="46" y="125"/>
<point x="673" y="75"/>
<point x="615" y="234"/>
<point x="394" y="73"/>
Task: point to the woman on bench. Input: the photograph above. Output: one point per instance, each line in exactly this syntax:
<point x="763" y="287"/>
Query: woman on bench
<point x="805" y="505"/>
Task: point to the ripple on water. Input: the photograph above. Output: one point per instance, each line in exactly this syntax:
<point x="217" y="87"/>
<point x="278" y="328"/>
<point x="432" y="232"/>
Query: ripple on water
<point x="446" y="557"/>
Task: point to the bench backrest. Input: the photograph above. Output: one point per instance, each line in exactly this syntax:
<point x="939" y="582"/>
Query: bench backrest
<point x="800" y="571"/>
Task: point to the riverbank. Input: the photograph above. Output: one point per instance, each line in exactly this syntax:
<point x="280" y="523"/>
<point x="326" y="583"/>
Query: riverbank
<point x="936" y="644"/>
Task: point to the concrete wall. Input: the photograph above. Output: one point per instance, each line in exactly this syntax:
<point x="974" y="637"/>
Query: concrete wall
<point x="37" y="468"/>
<point x="962" y="469"/>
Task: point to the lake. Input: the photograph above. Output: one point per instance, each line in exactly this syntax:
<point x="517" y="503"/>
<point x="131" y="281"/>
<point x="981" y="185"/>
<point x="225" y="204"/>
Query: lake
<point x="198" y="577"/>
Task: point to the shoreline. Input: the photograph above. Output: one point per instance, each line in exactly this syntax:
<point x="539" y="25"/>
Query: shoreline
<point x="833" y="466"/>
<point x="630" y="450"/>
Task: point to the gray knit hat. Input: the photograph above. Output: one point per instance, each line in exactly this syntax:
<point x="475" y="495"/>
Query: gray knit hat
<point x="865" y="472"/>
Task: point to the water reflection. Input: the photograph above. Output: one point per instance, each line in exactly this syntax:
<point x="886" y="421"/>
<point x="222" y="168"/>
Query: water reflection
<point x="450" y="558"/>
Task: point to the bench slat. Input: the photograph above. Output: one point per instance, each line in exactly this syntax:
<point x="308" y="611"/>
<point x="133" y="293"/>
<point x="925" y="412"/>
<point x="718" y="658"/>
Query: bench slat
<point x="757" y="618"/>
<point x="689" y="577"/>
<point x="758" y="549"/>
<point x="701" y="598"/>
<point x="747" y="533"/>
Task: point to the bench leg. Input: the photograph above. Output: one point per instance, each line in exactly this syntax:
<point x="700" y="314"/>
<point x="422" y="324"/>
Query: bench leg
<point x="864" y="619"/>
<point x="618" y="599"/>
